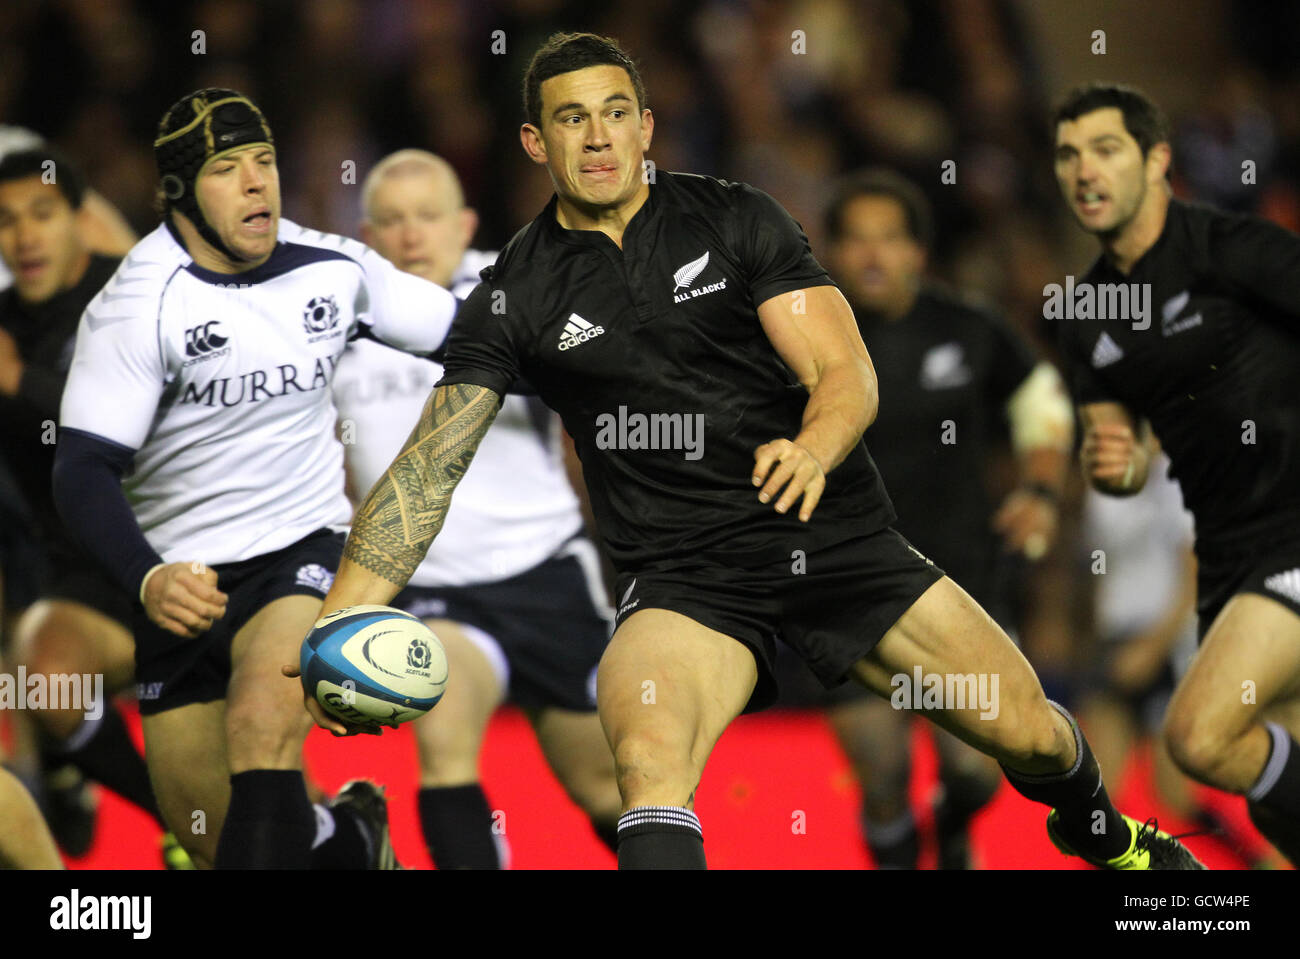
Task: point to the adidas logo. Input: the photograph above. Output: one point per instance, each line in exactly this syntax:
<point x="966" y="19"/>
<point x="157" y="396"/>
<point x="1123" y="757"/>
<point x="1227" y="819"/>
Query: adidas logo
<point x="577" y="331"/>
<point x="1285" y="584"/>
<point x="1106" y="352"/>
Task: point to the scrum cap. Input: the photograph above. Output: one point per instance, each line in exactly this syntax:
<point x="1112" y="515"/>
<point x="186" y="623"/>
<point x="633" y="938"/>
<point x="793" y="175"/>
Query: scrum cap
<point x="197" y="129"/>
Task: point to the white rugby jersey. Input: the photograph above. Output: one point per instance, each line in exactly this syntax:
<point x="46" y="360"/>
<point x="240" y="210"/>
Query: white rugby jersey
<point x="513" y="508"/>
<point x="1145" y="537"/>
<point x="221" y="384"/>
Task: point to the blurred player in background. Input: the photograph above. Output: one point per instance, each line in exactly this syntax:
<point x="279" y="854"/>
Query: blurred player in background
<point x="953" y="377"/>
<point x="1144" y="623"/>
<point x="1211" y="363"/>
<point x="80" y="623"/>
<point x="512" y="586"/>
<point x="698" y="301"/>
<point x="103" y="229"/>
<point x="197" y="462"/>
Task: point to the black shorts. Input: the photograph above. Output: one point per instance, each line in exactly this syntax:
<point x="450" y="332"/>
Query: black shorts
<point x="799" y="688"/>
<point x="77" y="578"/>
<point x="1267" y="565"/>
<point x="830" y="606"/>
<point x="544" y="630"/>
<point x="23" y="553"/>
<point x="1149" y="702"/>
<point x="173" y="671"/>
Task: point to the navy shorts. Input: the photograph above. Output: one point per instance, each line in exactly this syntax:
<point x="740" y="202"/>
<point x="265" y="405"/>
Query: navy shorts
<point x="174" y="671"/>
<point x="544" y="630"/>
<point x="831" y="606"/>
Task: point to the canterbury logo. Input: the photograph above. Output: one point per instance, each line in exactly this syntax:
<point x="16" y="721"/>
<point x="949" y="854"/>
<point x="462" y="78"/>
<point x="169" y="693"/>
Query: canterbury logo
<point x="578" y="331"/>
<point x="203" y="339"/>
<point x="687" y="274"/>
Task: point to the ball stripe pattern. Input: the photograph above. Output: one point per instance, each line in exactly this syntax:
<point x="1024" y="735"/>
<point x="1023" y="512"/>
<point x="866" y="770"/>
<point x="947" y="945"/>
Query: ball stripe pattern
<point x="373" y="664"/>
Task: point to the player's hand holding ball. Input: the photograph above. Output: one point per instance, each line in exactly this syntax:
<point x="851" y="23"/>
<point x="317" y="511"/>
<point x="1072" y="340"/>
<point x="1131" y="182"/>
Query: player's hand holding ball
<point x="183" y="598"/>
<point x="364" y="667"/>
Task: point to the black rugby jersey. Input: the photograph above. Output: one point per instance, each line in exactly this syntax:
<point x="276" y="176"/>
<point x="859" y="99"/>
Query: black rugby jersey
<point x="946" y="372"/>
<point x="45" y="334"/>
<point x="1216" y="371"/>
<point x="659" y="344"/>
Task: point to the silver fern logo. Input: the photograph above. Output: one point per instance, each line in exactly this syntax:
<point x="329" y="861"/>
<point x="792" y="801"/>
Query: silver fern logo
<point x="687" y="274"/>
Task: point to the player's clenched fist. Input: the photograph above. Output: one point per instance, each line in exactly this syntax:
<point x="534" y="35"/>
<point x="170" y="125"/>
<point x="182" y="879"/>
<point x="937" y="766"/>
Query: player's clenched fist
<point x="183" y="598"/>
<point x="1113" y="459"/>
<point x="785" y="464"/>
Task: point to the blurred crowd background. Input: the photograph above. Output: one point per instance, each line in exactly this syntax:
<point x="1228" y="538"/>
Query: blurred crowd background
<point x="737" y="93"/>
<point x="910" y="83"/>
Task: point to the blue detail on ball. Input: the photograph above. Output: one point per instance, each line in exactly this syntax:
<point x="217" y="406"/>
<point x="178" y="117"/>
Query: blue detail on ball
<point x="321" y="659"/>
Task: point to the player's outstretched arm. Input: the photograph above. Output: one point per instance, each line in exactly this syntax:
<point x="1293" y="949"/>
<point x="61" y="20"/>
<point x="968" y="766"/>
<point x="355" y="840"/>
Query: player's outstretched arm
<point x="814" y="332"/>
<point x="395" y="525"/>
<point x="1114" y="452"/>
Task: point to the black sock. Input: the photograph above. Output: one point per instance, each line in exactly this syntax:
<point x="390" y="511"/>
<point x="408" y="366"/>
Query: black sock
<point x="269" y="824"/>
<point x="342" y="840"/>
<point x="660" y="837"/>
<point x="894" y="844"/>
<point x="607" y="832"/>
<point x="103" y="751"/>
<point x="963" y="796"/>
<point x="1274" y="800"/>
<point x="1078" y="795"/>
<point x="457" y="826"/>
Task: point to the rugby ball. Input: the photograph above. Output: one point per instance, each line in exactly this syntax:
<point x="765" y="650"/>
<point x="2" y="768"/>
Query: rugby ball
<point x="373" y="665"/>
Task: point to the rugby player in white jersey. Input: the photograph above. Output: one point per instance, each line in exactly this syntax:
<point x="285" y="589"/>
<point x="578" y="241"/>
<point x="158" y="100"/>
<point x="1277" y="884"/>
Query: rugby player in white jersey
<point x="512" y="586"/>
<point x="197" y="462"/>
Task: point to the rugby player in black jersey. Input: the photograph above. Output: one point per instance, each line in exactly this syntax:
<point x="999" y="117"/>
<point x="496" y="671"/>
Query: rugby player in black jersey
<point x="80" y="621"/>
<point x="1211" y="366"/>
<point x="954" y="377"/>
<point x="716" y="388"/>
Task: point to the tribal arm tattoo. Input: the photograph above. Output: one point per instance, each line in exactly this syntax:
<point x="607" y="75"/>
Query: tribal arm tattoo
<point x="396" y="524"/>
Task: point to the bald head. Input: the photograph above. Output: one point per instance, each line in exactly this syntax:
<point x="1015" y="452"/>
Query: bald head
<point x="415" y="214"/>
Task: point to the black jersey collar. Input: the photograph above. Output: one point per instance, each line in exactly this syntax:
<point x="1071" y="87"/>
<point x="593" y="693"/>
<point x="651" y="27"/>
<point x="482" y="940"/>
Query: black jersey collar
<point x="1173" y="215"/>
<point x="596" y="238"/>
